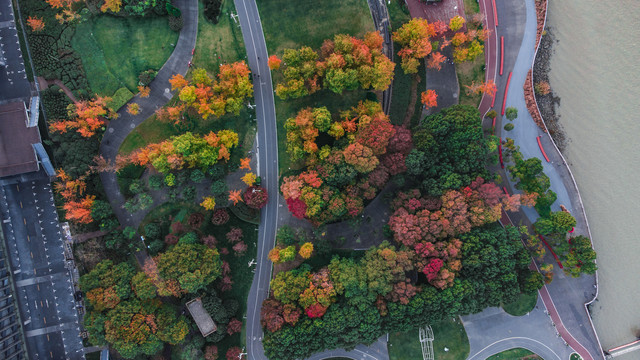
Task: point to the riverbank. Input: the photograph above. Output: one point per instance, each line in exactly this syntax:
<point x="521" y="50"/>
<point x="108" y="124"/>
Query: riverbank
<point x="547" y="103"/>
<point x="594" y="70"/>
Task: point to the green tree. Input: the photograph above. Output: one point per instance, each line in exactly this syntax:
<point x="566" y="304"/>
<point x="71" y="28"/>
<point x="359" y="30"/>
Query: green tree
<point x="511" y="113"/>
<point x="143" y="287"/>
<point x="193" y="266"/>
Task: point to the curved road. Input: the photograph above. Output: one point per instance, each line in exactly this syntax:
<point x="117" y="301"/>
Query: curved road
<point x="160" y="94"/>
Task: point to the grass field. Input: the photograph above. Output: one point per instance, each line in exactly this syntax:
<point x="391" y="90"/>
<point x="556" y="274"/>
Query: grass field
<point x="471" y="7"/>
<point x="291" y="24"/>
<point x="115" y="50"/>
<point x="448" y="333"/>
<point x="218" y="43"/>
<point x="515" y="354"/>
<point x="523" y="305"/>
<point x="468" y="73"/>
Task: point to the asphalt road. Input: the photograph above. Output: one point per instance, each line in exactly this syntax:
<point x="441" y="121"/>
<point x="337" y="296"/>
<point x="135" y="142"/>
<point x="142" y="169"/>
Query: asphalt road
<point x="45" y="293"/>
<point x="13" y="78"/>
<point x="267" y="149"/>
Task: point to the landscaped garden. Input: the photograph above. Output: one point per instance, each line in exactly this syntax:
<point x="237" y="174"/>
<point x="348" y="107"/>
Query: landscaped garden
<point x="450" y="342"/>
<point x="515" y="354"/>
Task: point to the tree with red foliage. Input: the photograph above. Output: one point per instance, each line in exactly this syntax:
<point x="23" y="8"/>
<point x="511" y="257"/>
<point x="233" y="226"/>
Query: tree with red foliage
<point x="211" y="352"/>
<point x="488" y="88"/>
<point x="435" y="61"/>
<point x="315" y="310"/>
<point x="210" y="241"/>
<point x="235" y="353"/>
<point x="234" y="326"/>
<point x="256" y="197"/>
<point x="240" y="248"/>
<point x="271" y="314"/>
<point x="297" y="207"/>
<point x="36" y="24"/>
<point x="234" y="235"/>
<point x="220" y="217"/>
<point x="291" y="314"/>
<point x="429" y="98"/>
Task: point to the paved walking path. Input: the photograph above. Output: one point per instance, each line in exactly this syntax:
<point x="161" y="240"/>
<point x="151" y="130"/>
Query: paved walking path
<point x="160" y="94"/>
<point x="570" y="294"/>
<point x="493" y="330"/>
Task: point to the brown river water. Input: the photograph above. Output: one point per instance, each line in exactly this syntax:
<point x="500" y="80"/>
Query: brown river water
<point x="595" y="70"/>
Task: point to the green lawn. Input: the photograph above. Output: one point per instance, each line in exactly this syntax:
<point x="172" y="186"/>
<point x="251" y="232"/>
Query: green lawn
<point x="448" y="334"/>
<point x="575" y="356"/>
<point x="523" y="305"/>
<point x="115" y="50"/>
<point x="468" y="73"/>
<point x="218" y="43"/>
<point x="515" y="354"/>
<point x="471" y="7"/>
<point x="291" y="24"/>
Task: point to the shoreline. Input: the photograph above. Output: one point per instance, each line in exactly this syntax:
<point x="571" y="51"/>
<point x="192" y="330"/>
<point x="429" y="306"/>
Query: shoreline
<point x="581" y="216"/>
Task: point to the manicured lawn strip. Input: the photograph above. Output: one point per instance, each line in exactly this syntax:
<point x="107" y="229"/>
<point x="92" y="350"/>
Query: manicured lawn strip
<point x="468" y="73"/>
<point x="471" y="7"/>
<point x="218" y="43"/>
<point x="523" y="305"/>
<point x="292" y="24"/>
<point x="115" y="50"/>
<point x="404" y="346"/>
<point x="400" y="96"/>
<point x="515" y="354"/>
<point x="575" y="356"/>
<point x="289" y="108"/>
<point x="448" y="333"/>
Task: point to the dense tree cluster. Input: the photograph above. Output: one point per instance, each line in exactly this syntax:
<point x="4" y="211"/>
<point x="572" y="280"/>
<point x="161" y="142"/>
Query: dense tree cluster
<point x="450" y="150"/>
<point x="344" y="63"/>
<point x="430" y="226"/>
<point x="187" y="150"/>
<point x="360" y="152"/>
<point x="210" y="97"/>
<point x="122" y="310"/>
<point x="353" y="301"/>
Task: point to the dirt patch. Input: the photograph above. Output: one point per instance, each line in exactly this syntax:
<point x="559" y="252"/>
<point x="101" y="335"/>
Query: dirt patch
<point x="412" y="103"/>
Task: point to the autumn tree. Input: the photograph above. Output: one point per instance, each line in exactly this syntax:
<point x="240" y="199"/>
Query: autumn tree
<point x="111" y="5"/>
<point x="86" y="117"/>
<point x="209" y="203"/>
<point x="488" y="88"/>
<point x="67" y="13"/>
<point x="144" y="91"/>
<point x="429" y="99"/>
<point x="415" y="37"/>
<point x="274" y="62"/>
<point x="77" y="204"/>
<point x="133" y="109"/>
<point x="256" y="197"/>
<point x="190" y="266"/>
<point x="249" y="178"/>
<point x="235" y="196"/>
<point x="35" y="23"/>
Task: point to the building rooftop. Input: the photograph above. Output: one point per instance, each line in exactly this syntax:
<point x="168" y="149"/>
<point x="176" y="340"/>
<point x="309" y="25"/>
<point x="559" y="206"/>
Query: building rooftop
<point x="201" y="317"/>
<point x="17" y="155"/>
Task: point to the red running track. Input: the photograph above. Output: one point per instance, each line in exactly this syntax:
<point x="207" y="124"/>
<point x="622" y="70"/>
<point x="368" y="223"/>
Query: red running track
<point x="566" y="336"/>
<point x="506" y="90"/>
<point x="542" y="149"/>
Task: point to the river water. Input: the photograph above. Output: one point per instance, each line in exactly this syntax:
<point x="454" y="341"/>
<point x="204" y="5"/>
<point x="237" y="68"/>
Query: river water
<point x="595" y="70"/>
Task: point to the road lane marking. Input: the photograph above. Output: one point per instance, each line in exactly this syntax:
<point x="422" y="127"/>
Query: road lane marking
<point x="45" y="320"/>
<point x="20" y="204"/>
<point x="24" y="220"/>
<point x="32" y="254"/>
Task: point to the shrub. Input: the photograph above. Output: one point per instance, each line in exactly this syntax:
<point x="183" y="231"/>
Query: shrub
<point x="197" y="176"/>
<point x="172" y="10"/>
<point x="189" y="193"/>
<point x="156" y="182"/>
<point x="511" y="113"/>
<point x="492" y="114"/>
<point x="285" y="236"/>
<point x="542" y="88"/>
<point x="220" y="217"/>
<point x="146" y="77"/>
<point x="176" y="23"/>
<point x="212" y="10"/>
<point x="153" y="231"/>
<point x="509" y="126"/>
<point x="218" y="187"/>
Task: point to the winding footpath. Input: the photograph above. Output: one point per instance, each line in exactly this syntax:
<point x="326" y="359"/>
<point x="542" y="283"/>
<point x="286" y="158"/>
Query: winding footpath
<point x="160" y="94"/>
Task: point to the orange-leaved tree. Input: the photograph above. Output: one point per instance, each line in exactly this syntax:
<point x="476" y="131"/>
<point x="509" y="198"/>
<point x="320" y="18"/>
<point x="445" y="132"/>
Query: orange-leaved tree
<point x="488" y="88"/>
<point x="36" y="24"/>
<point x="235" y="196"/>
<point x="415" y="39"/>
<point x="429" y="99"/>
<point x="274" y="62"/>
<point x="85" y="117"/>
<point x="77" y="205"/>
<point x="67" y="14"/>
